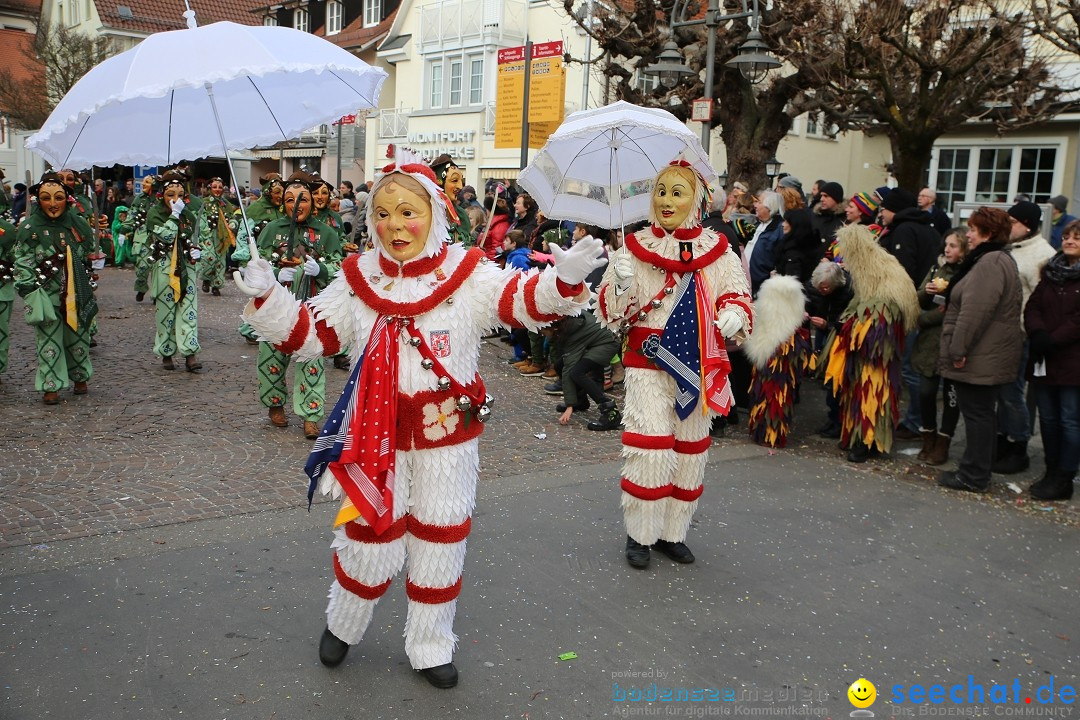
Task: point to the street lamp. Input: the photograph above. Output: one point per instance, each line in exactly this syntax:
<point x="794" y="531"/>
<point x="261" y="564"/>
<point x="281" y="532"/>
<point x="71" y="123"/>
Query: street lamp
<point x="669" y="67"/>
<point x="772" y="167"/>
<point x="753" y="60"/>
<point x="723" y="178"/>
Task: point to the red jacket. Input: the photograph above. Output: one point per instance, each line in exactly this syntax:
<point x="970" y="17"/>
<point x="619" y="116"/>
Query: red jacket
<point x="1055" y="309"/>
<point x="494" y="241"/>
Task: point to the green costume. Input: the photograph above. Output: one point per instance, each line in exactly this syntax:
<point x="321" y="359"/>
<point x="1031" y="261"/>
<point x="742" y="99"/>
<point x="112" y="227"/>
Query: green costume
<point x="216" y="239"/>
<point x="261" y="213"/>
<point x="7" y="287"/>
<point x="134" y="231"/>
<point x="172" y="280"/>
<point x="53" y="279"/>
<point x="309" y="382"/>
<point x="123" y="248"/>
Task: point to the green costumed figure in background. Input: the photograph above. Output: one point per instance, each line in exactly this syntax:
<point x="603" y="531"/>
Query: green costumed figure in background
<point x="171" y="255"/>
<point x="52" y="249"/>
<point x="321" y="193"/>
<point x="120" y="243"/>
<point x="260" y="213"/>
<point x="452" y="180"/>
<point x="133" y="230"/>
<point x="305" y="254"/>
<point x="7" y="287"/>
<point x="217" y="236"/>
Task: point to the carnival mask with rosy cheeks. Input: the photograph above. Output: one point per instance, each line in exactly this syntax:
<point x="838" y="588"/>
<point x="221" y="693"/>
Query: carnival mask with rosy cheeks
<point x="453" y="183"/>
<point x="172" y="193"/>
<point x="68" y="177"/>
<point x="277" y="194"/>
<point x="321" y="197"/>
<point x="673" y="197"/>
<point x="216" y="189"/>
<point x="402" y="221"/>
<point x="52" y="198"/>
<point x="147" y="185"/>
<point x="298" y="200"/>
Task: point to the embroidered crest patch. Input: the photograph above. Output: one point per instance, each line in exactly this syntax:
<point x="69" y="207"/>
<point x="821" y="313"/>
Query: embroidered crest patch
<point x="440" y="343"/>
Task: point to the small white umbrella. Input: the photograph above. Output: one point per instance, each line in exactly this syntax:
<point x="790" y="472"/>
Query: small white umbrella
<point x="599" y="166"/>
<point x="186" y="94"/>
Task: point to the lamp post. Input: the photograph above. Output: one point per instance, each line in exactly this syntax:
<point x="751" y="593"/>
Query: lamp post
<point x="754" y="60"/>
<point x="772" y="168"/>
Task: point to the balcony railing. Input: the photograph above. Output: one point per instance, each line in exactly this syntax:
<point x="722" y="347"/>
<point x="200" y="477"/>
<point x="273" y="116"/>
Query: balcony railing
<point x="449" y="23"/>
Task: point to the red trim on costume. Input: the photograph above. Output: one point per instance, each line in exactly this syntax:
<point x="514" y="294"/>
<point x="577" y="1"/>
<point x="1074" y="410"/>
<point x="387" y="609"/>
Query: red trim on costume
<point x="678" y="493"/>
<point x="366" y="533"/>
<point x="693" y="447"/>
<point x="601" y="300"/>
<point x="680" y="233"/>
<point x="506" y="303"/>
<point x="672" y="264"/>
<point x="648" y="442"/>
<point x="298" y="335"/>
<point x="444" y="534"/>
<point x="415" y="268"/>
<point x="359" y="285"/>
<point x="328" y="337"/>
<point x="417" y="430"/>
<point x="740" y="300"/>
<point x="644" y="493"/>
<point x="368" y="592"/>
<point x="260" y="300"/>
<point x="568" y="291"/>
<point x="430" y="595"/>
<point x="530" y="302"/>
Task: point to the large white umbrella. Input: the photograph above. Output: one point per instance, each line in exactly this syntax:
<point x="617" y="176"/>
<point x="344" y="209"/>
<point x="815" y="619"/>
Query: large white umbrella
<point x="186" y="94"/>
<point x="599" y="166"/>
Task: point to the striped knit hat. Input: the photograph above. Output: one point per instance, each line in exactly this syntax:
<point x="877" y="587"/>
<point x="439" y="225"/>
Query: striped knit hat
<point x="866" y="204"/>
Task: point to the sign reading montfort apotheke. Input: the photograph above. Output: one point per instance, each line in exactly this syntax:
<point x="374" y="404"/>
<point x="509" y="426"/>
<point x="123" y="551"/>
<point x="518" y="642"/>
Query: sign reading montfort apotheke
<point x="458" y="144"/>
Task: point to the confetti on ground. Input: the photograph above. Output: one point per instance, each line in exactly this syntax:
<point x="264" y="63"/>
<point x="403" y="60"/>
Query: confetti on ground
<point x="568" y="656"/>
<point x="540" y="436"/>
<point x="1015" y="488"/>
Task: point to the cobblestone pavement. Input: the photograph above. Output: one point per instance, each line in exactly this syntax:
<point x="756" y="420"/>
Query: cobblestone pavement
<point x="148" y="447"/>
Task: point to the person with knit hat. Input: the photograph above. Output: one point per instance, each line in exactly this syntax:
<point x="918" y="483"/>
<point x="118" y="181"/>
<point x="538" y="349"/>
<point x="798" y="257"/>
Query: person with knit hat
<point x="862" y="209"/>
<point x="828" y="214"/>
<point x="1030" y="251"/>
<point x="1059" y="219"/>
<point x="400" y="447"/>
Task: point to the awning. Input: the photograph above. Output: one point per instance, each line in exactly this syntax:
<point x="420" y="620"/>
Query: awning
<point x="499" y="173"/>
<point x="290" y="153"/>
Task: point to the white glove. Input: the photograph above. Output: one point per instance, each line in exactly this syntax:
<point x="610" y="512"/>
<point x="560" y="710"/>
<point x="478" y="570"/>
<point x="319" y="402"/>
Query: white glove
<point x="574" y="265"/>
<point x="178" y="206"/>
<point x="195" y="253"/>
<point x="729" y="324"/>
<point x="286" y="274"/>
<point x="623" y="268"/>
<point x="257" y="279"/>
<point x="121" y="239"/>
<point x="311" y="267"/>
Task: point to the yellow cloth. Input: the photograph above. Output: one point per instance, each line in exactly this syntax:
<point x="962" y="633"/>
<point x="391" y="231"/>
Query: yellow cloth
<point x="223" y="223"/>
<point x="71" y="314"/>
<point x="346" y="514"/>
<point x="174" y="277"/>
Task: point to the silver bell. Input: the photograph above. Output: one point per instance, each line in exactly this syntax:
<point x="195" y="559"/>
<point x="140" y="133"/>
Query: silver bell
<point x="669" y="290"/>
<point x="414" y="341"/>
<point x="444" y="383"/>
<point x="642" y="315"/>
<point x="426" y="363"/>
<point x="488" y="399"/>
<point x="48" y="263"/>
<point x="405" y="322"/>
<point x="657" y="303"/>
<point x="483" y="413"/>
<point x="450" y="300"/>
<point x="60" y="256"/>
<point x="625" y="326"/>
<point x="464" y="403"/>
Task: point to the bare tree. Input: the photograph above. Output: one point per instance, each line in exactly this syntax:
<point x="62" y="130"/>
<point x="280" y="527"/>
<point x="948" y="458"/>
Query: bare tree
<point x="51" y="65"/>
<point x="751" y="119"/>
<point x="918" y="69"/>
<point x="1057" y="21"/>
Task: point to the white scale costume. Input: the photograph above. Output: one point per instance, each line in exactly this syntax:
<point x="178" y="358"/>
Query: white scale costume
<point x="449" y="297"/>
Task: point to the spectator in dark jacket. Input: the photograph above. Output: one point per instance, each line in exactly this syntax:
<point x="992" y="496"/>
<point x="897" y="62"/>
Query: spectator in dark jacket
<point x="800" y="247"/>
<point x="715" y="221"/>
<point x="582" y="348"/>
<point x="939" y="220"/>
<point x="827" y="295"/>
<point x="908" y="234"/>
<point x="1052" y="321"/>
<point x="763" y="247"/>
<point x="828" y="214"/>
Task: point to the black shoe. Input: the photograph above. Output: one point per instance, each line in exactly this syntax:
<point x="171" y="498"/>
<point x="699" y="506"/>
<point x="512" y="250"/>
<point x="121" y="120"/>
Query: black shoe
<point x="858" y="454"/>
<point x="902" y="432"/>
<point x="733" y="417"/>
<point x="636" y="553"/>
<point x="829" y="430"/>
<point x="206" y="286"/>
<point x="441" y="676"/>
<point x="561" y="407"/>
<point x="139" y="296"/>
<point x="341" y="362"/>
<point x="677" y="551"/>
<point x="1059" y="486"/>
<point x="332" y="650"/>
<point x="216" y="291"/>
<point x="1014" y="459"/>
<point x="610" y="417"/>
<point x="951" y="480"/>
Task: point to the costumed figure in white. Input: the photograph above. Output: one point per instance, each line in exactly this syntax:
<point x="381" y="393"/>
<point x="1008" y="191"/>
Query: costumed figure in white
<point x="400" y="447"/>
<point x="677" y="292"/>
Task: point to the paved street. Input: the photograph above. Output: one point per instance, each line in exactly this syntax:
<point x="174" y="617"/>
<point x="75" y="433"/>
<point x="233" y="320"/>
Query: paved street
<point x="157" y="562"/>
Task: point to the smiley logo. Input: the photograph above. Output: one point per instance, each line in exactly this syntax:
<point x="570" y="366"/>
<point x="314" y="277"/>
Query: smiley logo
<point x="862" y="693"/>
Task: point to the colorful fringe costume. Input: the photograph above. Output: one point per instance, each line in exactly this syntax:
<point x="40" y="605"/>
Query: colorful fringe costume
<point x="780" y="352"/>
<point x="864" y="356"/>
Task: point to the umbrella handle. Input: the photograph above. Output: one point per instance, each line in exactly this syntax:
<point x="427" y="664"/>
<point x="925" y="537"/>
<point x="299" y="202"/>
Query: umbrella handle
<point x="225" y="147"/>
<point x="487" y="225"/>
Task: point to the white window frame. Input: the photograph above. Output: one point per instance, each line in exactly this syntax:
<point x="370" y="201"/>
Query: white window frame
<point x="74" y="13"/>
<point x="436" y="80"/>
<point x="335" y="12"/>
<point x="270" y="21"/>
<point x="301" y="20"/>
<point x="476" y="89"/>
<point x="372" y="12"/>
<point x="457" y="63"/>
<point x="1017" y="144"/>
